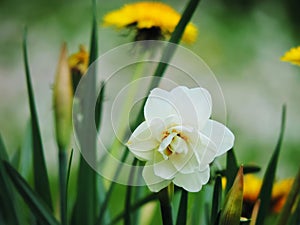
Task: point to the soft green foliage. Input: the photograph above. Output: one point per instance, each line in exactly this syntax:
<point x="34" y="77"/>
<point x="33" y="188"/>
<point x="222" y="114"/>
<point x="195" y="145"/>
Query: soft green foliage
<point x="266" y="190"/>
<point x="98" y="202"/>
<point x="41" y="182"/>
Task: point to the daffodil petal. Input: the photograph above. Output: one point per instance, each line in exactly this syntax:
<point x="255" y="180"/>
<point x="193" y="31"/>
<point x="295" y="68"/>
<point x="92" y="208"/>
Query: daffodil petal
<point x="159" y="105"/>
<point x="220" y="135"/>
<point x="163" y="168"/>
<point x="185" y="163"/>
<point x="202" y="104"/>
<point x="155" y="183"/>
<point x="141" y="143"/>
<point x="204" y="149"/>
<point x="192" y="182"/>
<point x="184" y="105"/>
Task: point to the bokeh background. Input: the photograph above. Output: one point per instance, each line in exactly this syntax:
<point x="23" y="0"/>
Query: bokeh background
<point x="241" y="41"/>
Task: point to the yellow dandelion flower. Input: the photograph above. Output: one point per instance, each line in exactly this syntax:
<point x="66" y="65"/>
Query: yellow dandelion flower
<point x="280" y="192"/>
<point x="292" y="56"/>
<point x="153" y="20"/>
<point x="251" y="188"/>
<point x="79" y="61"/>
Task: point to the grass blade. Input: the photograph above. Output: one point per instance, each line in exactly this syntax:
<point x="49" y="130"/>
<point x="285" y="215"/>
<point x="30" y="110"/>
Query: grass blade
<point x="295" y="219"/>
<point x="217" y="198"/>
<point x="7" y="198"/>
<point x="41" y="211"/>
<point x="25" y="164"/>
<point x="266" y="189"/>
<point x="41" y="182"/>
<point x="231" y="169"/>
<point x="182" y="211"/>
<point x="127" y="217"/>
<point x="85" y="207"/>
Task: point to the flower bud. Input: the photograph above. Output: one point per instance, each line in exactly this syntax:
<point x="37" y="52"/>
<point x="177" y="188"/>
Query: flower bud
<point x="232" y="211"/>
<point x="62" y="100"/>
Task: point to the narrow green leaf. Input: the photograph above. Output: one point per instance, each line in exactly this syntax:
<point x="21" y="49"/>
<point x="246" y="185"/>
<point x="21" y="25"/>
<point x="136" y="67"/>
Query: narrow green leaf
<point x="3" y="153"/>
<point x="231" y="169"/>
<point x="62" y="159"/>
<point x="197" y="208"/>
<point x="99" y="105"/>
<point x="127" y="216"/>
<point x="266" y="189"/>
<point x="182" y="211"/>
<point x="41" y="182"/>
<point x="8" y="204"/>
<point x="69" y="170"/>
<point x="134" y="207"/>
<point x="85" y="207"/>
<point x="104" y="205"/>
<point x="25" y="165"/>
<point x="217" y="198"/>
<point x="292" y="197"/>
<point x="295" y="219"/>
<point x="41" y="211"/>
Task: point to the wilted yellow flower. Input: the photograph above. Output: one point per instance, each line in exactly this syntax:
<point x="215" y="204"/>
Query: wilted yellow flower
<point x="152" y="20"/>
<point x="78" y="62"/>
<point x="292" y="56"/>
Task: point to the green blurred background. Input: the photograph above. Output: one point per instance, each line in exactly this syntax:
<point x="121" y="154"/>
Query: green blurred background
<point x="241" y="41"/>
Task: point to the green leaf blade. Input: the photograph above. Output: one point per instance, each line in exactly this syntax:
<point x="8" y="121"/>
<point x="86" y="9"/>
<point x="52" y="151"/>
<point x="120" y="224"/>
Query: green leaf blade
<point x="41" y="181"/>
<point x="8" y="203"/>
<point x="268" y="180"/>
<point x="41" y="211"/>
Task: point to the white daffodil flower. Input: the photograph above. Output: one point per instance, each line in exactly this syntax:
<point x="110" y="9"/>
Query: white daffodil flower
<point x="177" y="138"/>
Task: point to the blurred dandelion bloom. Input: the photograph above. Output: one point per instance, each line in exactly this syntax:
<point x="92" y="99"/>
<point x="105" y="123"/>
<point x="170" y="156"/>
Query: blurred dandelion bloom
<point x="78" y="62"/>
<point x="177" y="138"/>
<point x="280" y="192"/>
<point x="152" y="21"/>
<point x="292" y="56"/>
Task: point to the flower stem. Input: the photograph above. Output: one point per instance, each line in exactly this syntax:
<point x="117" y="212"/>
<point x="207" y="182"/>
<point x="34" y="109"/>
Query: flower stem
<point x="165" y="207"/>
<point x="127" y="217"/>
<point x="182" y="211"/>
<point x="62" y="155"/>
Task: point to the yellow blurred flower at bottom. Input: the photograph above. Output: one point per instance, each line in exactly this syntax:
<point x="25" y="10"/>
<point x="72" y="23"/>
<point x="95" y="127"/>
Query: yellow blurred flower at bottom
<point x="152" y="20"/>
<point x="280" y="191"/>
<point x="292" y="56"/>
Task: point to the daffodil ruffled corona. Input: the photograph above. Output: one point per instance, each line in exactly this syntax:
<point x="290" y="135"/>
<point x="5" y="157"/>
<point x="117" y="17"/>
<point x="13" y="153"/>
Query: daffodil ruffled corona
<point x="177" y="140"/>
<point x="149" y="17"/>
<point x="292" y="56"/>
